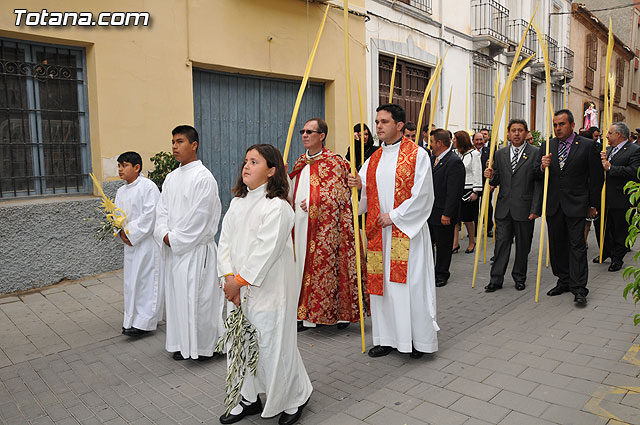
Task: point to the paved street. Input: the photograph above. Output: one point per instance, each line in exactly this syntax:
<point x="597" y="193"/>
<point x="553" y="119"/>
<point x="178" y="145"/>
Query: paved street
<point x="503" y="360"/>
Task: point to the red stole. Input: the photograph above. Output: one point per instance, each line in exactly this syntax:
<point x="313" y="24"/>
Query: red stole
<point x="405" y="176"/>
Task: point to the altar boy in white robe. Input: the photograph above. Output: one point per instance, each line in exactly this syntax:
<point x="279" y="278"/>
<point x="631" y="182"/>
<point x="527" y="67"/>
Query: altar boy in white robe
<point x="186" y="223"/>
<point x="256" y="260"/>
<point x="398" y="198"/>
<point x="143" y="288"/>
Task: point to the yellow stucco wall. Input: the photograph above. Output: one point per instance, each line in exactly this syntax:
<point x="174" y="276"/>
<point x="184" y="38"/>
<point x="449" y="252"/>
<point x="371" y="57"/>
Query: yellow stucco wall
<point x="140" y="78"/>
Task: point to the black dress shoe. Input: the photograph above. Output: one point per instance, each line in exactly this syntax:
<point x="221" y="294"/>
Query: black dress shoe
<point x="135" y="332"/>
<point x="615" y="266"/>
<point x="379" y="351"/>
<point x="207" y="358"/>
<point x="247" y="409"/>
<point x="597" y="259"/>
<point x="492" y="287"/>
<point x="490" y="233"/>
<point x="415" y="354"/>
<point x="301" y="327"/>
<point x="556" y="290"/>
<point x="520" y="286"/>
<point x="178" y="356"/>
<point x="441" y="282"/>
<point x="580" y="300"/>
<point x="290" y="419"/>
<point x="343" y="325"/>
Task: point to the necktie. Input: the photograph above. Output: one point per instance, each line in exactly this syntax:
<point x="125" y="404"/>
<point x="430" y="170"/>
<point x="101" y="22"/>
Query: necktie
<point x="613" y="152"/>
<point x="514" y="159"/>
<point x="563" y="148"/>
<point x="436" y="161"/>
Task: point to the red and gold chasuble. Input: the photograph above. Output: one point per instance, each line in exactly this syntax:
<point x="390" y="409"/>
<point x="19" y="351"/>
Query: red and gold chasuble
<point x="329" y="282"/>
<point x="405" y="176"/>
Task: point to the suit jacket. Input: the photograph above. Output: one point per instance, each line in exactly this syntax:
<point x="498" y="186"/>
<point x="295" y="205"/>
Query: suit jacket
<point x="520" y="191"/>
<point x="448" y="187"/>
<point x="624" y="167"/>
<point x="578" y="186"/>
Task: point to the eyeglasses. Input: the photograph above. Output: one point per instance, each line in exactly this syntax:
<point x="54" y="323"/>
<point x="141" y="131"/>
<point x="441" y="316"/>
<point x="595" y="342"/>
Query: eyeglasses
<point x="310" y="131"/>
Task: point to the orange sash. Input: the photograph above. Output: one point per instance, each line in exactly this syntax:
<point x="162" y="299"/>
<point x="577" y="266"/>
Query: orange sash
<point x="405" y="175"/>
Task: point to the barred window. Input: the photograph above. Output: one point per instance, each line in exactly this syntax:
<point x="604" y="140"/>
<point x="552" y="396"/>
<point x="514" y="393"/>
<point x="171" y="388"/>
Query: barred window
<point x="591" y="60"/>
<point x="557" y="97"/>
<point x="484" y="101"/>
<point x="619" y="79"/>
<point x="517" y="101"/>
<point x="44" y="145"/>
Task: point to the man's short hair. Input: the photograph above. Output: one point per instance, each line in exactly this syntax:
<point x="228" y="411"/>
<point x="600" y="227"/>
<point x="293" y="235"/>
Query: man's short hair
<point x="409" y="126"/>
<point x="187" y="130"/>
<point x="323" y="127"/>
<point x="565" y="111"/>
<point x="441" y="135"/>
<point x="621" y="128"/>
<point x="517" y="121"/>
<point x="425" y="128"/>
<point x="485" y="129"/>
<point x="397" y="113"/>
<point x="131" y="157"/>
<point x="594" y="129"/>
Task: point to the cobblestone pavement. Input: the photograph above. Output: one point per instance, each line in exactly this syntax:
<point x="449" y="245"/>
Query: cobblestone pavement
<point x="503" y="359"/>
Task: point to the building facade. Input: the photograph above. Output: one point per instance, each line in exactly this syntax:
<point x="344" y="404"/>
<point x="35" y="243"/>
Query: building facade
<point x="76" y="96"/>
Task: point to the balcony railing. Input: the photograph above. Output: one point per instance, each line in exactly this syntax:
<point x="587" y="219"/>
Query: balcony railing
<point x="424" y="5"/>
<point x="489" y="18"/>
<point x="516" y="29"/>
<point x="567" y="62"/>
<point x="553" y="56"/>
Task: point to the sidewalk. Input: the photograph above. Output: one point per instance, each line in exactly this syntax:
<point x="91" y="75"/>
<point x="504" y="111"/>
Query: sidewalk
<point x="502" y="359"/>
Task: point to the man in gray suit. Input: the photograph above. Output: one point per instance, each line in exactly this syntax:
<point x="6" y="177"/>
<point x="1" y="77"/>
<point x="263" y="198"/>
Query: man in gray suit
<point x="519" y="203"/>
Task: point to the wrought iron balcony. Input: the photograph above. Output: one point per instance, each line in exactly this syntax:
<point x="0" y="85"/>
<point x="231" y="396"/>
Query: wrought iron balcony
<point x="553" y="55"/>
<point x="489" y="25"/>
<point x="515" y="31"/>
<point x="567" y="62"/>
<point x="424" y="5"/>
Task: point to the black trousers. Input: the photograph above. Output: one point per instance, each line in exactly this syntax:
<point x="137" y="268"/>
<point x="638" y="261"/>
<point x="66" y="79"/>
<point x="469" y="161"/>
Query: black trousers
<point x="489" y="218"/>
<point x="506" y="229"/>
<point x="615" y="233"/>
<point x="442" y="237"/>
<point x="568" y="252"/>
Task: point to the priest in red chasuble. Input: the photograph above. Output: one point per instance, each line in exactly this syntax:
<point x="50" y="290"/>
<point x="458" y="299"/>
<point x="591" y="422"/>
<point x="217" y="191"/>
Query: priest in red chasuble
<point x="397" y="195"/>
<point x="323" y="234"/>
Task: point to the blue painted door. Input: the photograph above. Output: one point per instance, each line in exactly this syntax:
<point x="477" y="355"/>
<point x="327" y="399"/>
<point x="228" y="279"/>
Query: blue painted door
<point x="235" y="111"/>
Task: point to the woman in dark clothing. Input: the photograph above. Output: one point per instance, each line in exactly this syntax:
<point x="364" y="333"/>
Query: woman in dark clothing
<point x="369" y="148"/>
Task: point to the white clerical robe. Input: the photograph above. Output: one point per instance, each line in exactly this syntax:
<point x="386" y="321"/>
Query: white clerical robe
<point x="189" y="211"/>
<point x="256" y="244"/>
<point x="406" y="313"/>
<point x="143" y="286"/>
<point x="301" y="223"/>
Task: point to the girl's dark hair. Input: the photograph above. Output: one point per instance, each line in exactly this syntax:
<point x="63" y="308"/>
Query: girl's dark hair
<point x="278" y="184"/>
<point x="463" y="142"/>
<point x="356" y="129"/>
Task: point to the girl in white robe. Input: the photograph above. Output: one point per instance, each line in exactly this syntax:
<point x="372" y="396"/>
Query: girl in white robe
<point x="255" y="257"/>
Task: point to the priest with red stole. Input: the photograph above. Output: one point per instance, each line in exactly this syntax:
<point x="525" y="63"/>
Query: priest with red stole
<point x="323" y="234"/>
<point x="397" y="195"/>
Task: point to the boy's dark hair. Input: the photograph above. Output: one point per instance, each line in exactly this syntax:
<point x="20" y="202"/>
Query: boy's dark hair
<point x="485" y="129"/>
<point x="425" y="128"/>
<point x="397" y="113"/>
<point x="409" y="126"/>
<point x="132" y="158"/>
<point x="517" y="121"/>
<point x="441" y="135"/>
<point x="594" y="129"/>
<point x="565" y="111"/>
<point x="278" y="184"/>
<point x="190" y="132"/>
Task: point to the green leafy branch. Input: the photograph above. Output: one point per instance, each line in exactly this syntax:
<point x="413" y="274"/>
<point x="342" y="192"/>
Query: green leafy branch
<point x="164" y="163"/>
<point x="241" y="338"/>
<point x="633" y="218"/>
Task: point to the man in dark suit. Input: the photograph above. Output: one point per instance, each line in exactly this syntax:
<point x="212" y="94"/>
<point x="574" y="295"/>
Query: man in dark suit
<point x="575" y="182"/>
<point x="448" y="185"/>
<point x="621" y="162"/>
<point x="478" y="143"/>
<point x="519" y="203"/>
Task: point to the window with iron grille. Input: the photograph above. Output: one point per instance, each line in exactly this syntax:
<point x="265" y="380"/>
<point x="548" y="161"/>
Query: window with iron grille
<point x="591" y="60"/>
<point x="483" y="93"/>
<point x="517" y="101"/>
<point x="424" y="5"/>
<point x="619" y="79"/>
<point x="44" y="145"/>
<point x="557" y="97"/>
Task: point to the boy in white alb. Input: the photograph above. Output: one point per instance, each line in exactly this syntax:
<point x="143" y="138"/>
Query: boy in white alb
<point x="143" y="286"/>
<point x="186" y="224"/>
